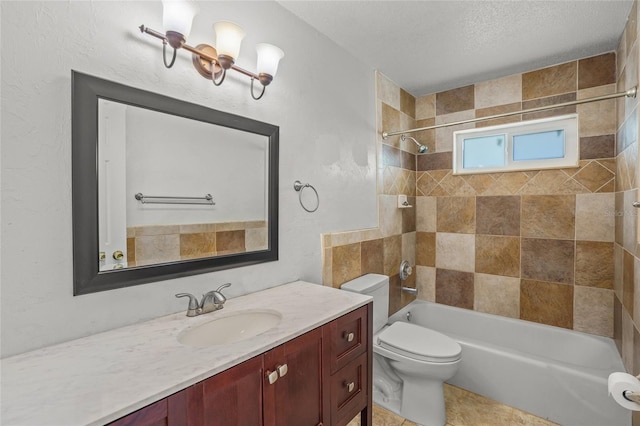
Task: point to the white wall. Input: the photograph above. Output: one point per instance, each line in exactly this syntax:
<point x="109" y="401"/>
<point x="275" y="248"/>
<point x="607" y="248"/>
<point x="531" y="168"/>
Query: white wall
<point x="322" y="99"/>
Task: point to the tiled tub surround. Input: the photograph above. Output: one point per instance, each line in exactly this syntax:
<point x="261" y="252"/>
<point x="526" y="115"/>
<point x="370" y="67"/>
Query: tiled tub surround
<point x="626" y="249"/>
<point x="535" y="245"/>
<point x="155" y="244"/>
<point x="97" y="379"/>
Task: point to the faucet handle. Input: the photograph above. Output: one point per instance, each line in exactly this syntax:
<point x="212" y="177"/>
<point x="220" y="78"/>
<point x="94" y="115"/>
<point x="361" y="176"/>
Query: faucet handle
<point x="194" y="306"/>
<point x="218" y="297"/>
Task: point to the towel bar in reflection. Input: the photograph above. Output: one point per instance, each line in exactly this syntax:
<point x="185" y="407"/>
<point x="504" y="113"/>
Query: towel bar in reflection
<point x="155" y="199"/>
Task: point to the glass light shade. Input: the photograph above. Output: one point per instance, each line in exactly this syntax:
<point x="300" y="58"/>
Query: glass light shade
<point x="228" y="38"/>
<point x="177" y="15"/>
<point x="268" y="58"/>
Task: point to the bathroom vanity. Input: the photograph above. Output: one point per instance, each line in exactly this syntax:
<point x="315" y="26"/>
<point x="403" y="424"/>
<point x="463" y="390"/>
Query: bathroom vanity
<point x="312" y="368"/>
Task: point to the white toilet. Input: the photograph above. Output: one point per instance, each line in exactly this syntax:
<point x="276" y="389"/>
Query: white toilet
<point x="410" y="362"/>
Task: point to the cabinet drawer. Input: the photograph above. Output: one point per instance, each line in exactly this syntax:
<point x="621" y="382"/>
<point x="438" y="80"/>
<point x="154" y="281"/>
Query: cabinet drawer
<point x="349" y="390"/>
<point x="348" y="338"/>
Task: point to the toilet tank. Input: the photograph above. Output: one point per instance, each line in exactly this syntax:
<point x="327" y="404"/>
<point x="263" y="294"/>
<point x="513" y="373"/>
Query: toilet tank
<point x="376" y="286"/>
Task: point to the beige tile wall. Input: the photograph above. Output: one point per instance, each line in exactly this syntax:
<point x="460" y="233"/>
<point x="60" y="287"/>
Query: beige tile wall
<point x="157" y="244"/>
<point x="626" y="249"/>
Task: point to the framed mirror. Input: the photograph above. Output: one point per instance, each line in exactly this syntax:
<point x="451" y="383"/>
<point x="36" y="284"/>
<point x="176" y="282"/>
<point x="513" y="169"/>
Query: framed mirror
<point x="164" y="188"/>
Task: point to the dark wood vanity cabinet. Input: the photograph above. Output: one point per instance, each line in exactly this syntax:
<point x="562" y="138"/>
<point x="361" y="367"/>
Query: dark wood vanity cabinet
<point x="319" y="378"/>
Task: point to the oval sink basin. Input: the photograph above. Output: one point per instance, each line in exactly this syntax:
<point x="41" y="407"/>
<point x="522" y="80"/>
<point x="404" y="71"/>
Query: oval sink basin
<point x="232" y="328"/>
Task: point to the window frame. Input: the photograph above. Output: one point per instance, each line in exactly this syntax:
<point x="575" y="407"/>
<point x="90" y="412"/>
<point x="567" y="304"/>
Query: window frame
<point x="568" y="123"/>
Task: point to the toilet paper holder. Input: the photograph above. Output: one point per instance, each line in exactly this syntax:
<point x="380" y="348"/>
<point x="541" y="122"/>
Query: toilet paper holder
<point x="631" y="395"/>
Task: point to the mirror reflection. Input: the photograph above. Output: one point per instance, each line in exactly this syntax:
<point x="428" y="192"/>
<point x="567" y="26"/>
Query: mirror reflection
<point x="173" y="188"/>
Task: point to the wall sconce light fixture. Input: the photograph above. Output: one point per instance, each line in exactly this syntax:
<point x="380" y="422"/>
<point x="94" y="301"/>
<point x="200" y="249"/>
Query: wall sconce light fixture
<point x="213" y="62"/>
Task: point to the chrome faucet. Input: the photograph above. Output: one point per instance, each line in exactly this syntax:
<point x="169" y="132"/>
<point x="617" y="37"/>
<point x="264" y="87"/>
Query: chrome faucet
<point x="211" y="301"/>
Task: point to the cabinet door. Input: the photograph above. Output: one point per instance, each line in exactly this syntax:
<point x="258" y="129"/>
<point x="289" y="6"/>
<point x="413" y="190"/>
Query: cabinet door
<point x="170" y="411"/>
<point x="296" y="397"/>
<point x="230" y="398"/>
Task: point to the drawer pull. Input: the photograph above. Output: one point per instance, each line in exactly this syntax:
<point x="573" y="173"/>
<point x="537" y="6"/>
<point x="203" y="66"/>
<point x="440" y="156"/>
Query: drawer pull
<point x="282" y="370"/>
<point x="349" y="336"/>
<point x="350" y="386"/>
<point x="272" y="376"/>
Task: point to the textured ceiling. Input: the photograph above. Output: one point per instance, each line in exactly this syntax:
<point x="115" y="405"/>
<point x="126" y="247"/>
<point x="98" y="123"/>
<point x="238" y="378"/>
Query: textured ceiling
<point x="430" y="46"/>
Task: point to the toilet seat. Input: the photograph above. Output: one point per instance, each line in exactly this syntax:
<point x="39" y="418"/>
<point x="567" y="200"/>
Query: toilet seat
<point x="419" y="343"/>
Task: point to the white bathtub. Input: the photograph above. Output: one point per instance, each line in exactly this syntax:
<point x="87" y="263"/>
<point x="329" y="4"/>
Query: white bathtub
<point x="554" y="373"/>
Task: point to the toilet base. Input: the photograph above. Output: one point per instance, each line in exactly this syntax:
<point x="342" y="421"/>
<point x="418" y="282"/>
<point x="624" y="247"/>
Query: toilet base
<point x="423" y="402"/>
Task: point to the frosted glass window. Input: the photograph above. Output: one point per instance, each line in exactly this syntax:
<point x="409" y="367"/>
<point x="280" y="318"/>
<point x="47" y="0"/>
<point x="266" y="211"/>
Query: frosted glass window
<point x="538" y="146"/>
<point x="547" y="143"/>
<point x="485" y="151"/>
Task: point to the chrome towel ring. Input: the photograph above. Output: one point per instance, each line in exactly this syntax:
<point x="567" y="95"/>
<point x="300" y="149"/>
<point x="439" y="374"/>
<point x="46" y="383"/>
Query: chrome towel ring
<point x="299" y="187"/>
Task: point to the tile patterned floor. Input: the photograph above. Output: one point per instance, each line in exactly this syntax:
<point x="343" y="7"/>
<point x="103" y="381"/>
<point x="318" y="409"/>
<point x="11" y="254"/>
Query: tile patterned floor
<point x="465" y="409"/>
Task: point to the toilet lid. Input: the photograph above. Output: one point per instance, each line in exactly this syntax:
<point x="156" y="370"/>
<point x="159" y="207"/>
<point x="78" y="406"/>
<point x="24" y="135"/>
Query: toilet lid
<point x="419" y="343"/>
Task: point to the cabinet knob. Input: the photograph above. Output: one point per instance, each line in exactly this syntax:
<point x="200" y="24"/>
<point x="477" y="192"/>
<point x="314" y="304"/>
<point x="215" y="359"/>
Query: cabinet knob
<point x="348" y="336"/>
<point x="272" y="376"/>
<point x="350" y="386"/>
<point x="282" y="370"/>
<point x="118" y="255"/>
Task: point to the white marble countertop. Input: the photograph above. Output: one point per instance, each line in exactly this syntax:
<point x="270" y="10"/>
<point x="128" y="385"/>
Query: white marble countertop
<point x="100" y="378"/>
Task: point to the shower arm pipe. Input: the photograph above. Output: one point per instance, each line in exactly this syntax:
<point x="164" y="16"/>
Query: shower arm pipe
<point x="631" y="93"/>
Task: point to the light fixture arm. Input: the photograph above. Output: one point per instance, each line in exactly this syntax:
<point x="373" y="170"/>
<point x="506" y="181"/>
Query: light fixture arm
<point x="264" y="87"/>
<point x="264" y="79"/>
<point x="164" y="55"/>
<point x="213" y="77"/>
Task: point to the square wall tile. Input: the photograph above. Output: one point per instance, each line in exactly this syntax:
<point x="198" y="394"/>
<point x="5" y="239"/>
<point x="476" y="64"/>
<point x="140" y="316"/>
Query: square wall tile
<point x="498" y="255"/>
<point x="327" y="267"/>
<point x="550" y="81"/>
<point x="548" y="260"/>
<point x="392" y="254"/>
<point x="627" y="341"/>
<point x="636" y="295"/>
<point x="498" y="215"/>
<point x="435" y="161"/>
<point x="456" y="214"/>
<point x="391" y="121"/>
<point x="372" y="257"/>
<point x="497" y="110"/>
<point x="409" y="247"/>
<point x="454" y="288"/>
<point x="426" y="248"/>
<point x="497" y="295"/>
<point x="547" y="303"/>
<point x="548" y="216"/>
<point x="460" y="99"/>
<point x="618" y="270"/>
<point x="592" y="147"/>
<point x="346" y="263"/>
<point x="594" y="264"/>
<point x="198" y="244"/>
<point x="395" y="294"/>
<point x="425" y="137"/>
<point x="500" y="91"/>
<point x="152" y="249"/>
<point x="444" y="135"/>
<point x="597" y="70"/>
<point x="455" y="251"/>
<point x="409" y="216"/>
<point x="426" y="107"/>
<point x="551" y="100"/>
<point x="387" y="91"/>
<point x="390" y="215"/>
<point x="595" y="217"/>
<point x="407" y="103"/>
<point x="593" y="311"/>
<point x="628" y="282"/>
<point x="426" y="283"/>
<point x="630" y="221"/>
<point x="597" y="118"/>
<point x="426" y="213"/>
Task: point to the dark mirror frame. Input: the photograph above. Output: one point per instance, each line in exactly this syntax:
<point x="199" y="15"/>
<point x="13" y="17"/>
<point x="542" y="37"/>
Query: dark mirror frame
<point x="86" y="91"/>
